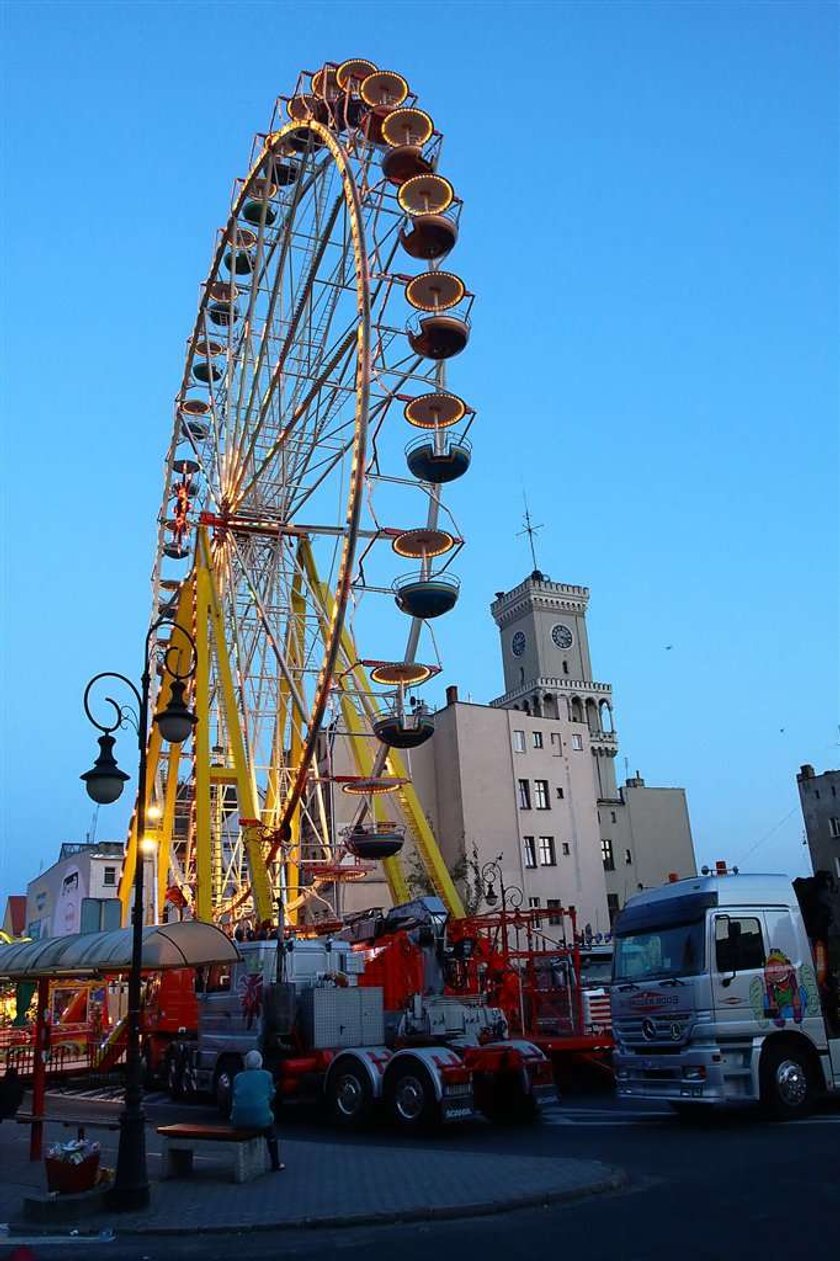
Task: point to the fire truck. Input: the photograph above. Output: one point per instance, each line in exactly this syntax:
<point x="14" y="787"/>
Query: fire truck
<point x="368" y="1021"/>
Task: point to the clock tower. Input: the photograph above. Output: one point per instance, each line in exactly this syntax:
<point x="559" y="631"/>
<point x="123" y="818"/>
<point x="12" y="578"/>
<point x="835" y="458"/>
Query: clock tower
<point x="543" y="630"/>
<point x="547" y="668"/>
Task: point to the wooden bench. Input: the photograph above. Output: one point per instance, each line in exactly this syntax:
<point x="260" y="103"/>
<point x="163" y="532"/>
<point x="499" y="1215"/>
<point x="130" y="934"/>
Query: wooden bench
<point x="248" y="1148"/>
<point x="79" y="1124"/>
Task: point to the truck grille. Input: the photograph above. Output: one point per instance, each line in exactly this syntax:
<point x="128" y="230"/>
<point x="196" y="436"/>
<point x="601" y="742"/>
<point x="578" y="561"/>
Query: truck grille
<point x="654" y="1034"/>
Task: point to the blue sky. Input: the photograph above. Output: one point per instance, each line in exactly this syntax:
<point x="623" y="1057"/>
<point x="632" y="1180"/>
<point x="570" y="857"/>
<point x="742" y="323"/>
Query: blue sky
<point x="650" y="226"/>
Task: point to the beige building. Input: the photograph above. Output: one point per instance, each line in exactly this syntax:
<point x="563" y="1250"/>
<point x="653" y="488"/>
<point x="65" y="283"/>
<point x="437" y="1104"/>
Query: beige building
<point x="530" y="777"/>
<point x="502" y="782"/>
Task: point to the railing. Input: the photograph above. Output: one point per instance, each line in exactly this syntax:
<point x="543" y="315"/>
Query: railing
<point x="586" y="689"/>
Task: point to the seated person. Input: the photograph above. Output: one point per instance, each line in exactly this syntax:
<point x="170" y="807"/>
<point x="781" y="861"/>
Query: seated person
<point x="253" y="1091"/>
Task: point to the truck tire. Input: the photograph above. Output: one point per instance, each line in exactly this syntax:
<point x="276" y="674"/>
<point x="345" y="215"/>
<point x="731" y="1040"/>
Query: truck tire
<point x="505" y="1100"/>
<point x="348" y="1094"/>
<point x="410" y="1097"/>
<point x="223" y="1077"/>
<point x="786" y="1081"/>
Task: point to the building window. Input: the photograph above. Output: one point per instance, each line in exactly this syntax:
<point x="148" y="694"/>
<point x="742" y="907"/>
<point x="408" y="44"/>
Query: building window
<point x="547" y="856"/>
<point x="577" y="741"/>
<point x="612" y="815"/>
<point x="519" y="741"/>
<point x="536" y="736"/>
<point x="109" y="875"/>
<point x="554" y="904"/>
<point x="628" y="857"/>
<point x="560" y="794"/>
<point x="556" y="744"/>
<point x="541" y="794"/>
<point x="533" y="904"/>
<point x="607" y="854"/>
<point x="566" y="849"/>
<point x="834" y="826"/>
<point x="530" y="851"/>
<point x="565" y="667"/>
<point x="612" y="907"/>
<point x="524" y="794"/>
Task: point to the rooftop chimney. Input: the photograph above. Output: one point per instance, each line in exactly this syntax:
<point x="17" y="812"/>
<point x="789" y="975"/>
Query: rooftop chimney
<point x="452" y="695"/>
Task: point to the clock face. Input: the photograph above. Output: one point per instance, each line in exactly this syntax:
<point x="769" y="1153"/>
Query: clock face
<point x="562" y="636"/>
<point x="517" y="644"/>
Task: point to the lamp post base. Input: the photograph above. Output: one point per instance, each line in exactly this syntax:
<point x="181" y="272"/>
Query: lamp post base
<point x="130" y="1191"/>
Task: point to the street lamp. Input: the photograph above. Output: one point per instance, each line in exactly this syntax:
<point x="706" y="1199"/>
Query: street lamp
<point x="104" y="783"/>
<point x="489" y="875"/>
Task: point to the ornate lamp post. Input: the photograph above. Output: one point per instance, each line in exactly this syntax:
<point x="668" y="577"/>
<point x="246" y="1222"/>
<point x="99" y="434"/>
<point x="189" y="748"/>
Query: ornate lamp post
<point x="490" y="874"/>
<point x="104" y="783"/>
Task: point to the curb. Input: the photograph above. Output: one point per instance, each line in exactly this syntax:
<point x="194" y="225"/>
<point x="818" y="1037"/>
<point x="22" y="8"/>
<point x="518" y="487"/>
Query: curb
<point x="615" y="1180"/>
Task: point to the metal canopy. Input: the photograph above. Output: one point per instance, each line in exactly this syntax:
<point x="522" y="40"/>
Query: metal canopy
<point x="184" y="945"/>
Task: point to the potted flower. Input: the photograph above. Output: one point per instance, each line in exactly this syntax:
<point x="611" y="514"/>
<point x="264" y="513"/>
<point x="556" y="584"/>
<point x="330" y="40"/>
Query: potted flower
<point x="73" y="1166"/>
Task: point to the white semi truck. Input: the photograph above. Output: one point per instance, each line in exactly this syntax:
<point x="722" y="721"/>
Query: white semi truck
<point x="725" y="991"/>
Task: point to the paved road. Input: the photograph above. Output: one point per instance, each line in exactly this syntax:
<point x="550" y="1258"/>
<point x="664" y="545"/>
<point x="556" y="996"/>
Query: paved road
<point x="728" y="1186"/>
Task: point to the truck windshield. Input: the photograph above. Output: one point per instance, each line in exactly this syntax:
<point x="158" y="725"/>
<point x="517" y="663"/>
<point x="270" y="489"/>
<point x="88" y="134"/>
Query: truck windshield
<point x="677" y="950"/>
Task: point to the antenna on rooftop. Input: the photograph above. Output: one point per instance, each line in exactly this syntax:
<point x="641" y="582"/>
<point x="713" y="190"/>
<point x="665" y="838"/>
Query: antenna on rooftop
<point x="531" y="530"/>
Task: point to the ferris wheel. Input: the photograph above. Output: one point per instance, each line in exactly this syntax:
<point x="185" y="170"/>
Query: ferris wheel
<point x="292" y="505"/>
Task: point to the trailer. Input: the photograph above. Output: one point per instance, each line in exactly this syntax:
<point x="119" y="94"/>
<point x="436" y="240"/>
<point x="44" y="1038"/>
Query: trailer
<point x="533" y="965"/>
<point x="365" y="1022"/>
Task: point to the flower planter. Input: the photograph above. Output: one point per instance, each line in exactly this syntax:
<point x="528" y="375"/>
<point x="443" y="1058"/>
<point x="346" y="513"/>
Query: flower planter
<point x="68" y="1178"/>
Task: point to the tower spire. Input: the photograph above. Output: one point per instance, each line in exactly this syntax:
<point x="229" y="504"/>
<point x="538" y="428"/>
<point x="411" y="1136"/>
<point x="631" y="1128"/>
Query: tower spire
<point x="531" y="530"/>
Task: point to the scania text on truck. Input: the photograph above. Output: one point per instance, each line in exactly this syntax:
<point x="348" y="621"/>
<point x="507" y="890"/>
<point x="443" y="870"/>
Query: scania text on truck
<point x="725" y="991"/>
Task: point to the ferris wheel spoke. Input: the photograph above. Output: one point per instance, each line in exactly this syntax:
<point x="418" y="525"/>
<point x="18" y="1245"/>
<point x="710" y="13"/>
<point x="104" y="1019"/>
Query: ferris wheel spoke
<point x="285" y="240"/>
<point x="288" y="340"/>
<point x="344" y="349"/>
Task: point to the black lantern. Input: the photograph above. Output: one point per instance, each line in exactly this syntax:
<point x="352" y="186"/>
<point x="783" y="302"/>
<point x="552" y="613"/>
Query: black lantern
<point x="176" y="721"/>
<point x="104" y="781"/>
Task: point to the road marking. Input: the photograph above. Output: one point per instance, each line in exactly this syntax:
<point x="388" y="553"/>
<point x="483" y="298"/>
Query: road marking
<point x="592" y="1118"/>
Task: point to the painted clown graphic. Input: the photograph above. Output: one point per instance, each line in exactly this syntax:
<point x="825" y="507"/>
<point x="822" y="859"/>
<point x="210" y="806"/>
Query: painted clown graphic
<point x="780" y="997"/>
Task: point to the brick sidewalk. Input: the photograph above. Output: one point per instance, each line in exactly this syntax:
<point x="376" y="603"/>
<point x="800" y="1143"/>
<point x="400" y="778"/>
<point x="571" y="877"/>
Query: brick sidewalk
<point x="327" y="1182"/>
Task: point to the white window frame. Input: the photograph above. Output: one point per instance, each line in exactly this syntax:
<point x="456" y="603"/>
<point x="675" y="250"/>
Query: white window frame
<point x="546" y="851"/>
<point x="529" y="847"/>
<point x="542" y="795"/>
<point x="519" y="741"/>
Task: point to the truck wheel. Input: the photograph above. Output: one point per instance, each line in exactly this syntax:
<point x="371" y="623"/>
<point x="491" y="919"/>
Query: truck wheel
<point x="410" y="1097"/>
<point x="787" y="1083"/>
<point x="507" y="1102"/>
<point x="223" y="1086"/>
<point x="348" y="1093"/>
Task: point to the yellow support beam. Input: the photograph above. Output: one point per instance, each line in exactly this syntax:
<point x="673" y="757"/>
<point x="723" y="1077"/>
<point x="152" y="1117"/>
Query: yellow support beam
<point x="427" y="846"/>
<point x="167" y="826"/>
<point x="203" y="904"/>
<point x="246" y="788"/>
<point x="153" y="754"/>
